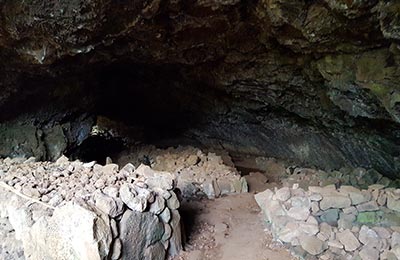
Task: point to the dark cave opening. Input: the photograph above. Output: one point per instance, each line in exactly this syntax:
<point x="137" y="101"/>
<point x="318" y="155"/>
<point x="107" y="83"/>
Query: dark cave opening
<point x="154" y="99"/>
<point x="141" y="104"/>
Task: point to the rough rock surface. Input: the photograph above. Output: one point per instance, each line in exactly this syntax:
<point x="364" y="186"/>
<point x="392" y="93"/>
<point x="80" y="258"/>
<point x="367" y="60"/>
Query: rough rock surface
<point x="313" y="81"/>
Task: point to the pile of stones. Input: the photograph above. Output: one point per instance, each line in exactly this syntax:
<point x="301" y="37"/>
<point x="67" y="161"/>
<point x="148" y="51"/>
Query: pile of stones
<point x="75" y="210"/>
<point x="356" y="177"/>
<point x="335" y="222"/>
<point x="198" y="174"/>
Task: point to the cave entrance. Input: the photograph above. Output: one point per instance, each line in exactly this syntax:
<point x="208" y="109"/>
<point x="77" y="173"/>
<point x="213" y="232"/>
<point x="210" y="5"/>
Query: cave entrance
<point x="141" y="104"/>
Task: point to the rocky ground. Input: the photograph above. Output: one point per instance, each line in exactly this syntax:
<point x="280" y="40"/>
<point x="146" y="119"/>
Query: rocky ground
<point x="305" y="213"/>
<point x="228" y="228"/>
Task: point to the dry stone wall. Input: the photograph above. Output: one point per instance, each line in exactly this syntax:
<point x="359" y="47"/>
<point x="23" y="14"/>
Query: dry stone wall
<point x="74" y="210"/>
<point x="198" y="173"/>
<point x="335" y="222"/>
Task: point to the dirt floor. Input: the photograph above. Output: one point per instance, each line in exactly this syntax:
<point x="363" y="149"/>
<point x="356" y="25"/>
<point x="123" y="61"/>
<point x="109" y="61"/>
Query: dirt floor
<point x="228" y="228"/>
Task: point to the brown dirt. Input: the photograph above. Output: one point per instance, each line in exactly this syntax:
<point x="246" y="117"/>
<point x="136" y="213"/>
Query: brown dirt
<point x="228" y="228"/>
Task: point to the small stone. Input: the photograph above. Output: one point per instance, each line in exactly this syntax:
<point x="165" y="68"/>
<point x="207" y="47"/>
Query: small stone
<point x="129" y="196"/>
<point x="45" y="198"/>
<point x="346" y="221"/>
<point x="368" y="236"/>
<point x="56" y="200"/>
<point x="335" y="243"/>
<point x="116" y="249"/>
<point x="109" y="160"/>
<point x="312" y="245"/>
<point x="325" y="231"/>
<point x="314" y="207"/>
<point x="382" y="232"/>
<point x="367" y="217"/>
<point x="349" y="241"/>
<point x="330" y="216"/>
<point x="336" y="202"/>
<point x="173" y="202"/>
<point x="89" y="164"/>
<point x="356" y="196"/>
<point x="158" y="205"/>
<point x="114" y="228"/>
<point x="108" y="205"/>
<point x="315" y="197"/>
<point x="368" y="206"/>
<point x="395" y="239"/>
<point x="175" y="241"/>
<point x="128" y="169"/>
<point x="283" y="194"/>
<point x="84" y="179"/>
<point x="62" y="160"/>
<point x="165" y="215"/>
<point x="308" y="228"/>
<point x="350" y="210"/>
<point x="393" y="200"/>
<point x="110" y="169"/>
<point x="396" y="251"/>
<point x="382" y="198"/>
<point x="167" y="232"/>
<point x="289" y="233"/>
<point x="100" y="184"/>
<point x="369" y="253"/>
<point x="298" y="213"/>
<point x="113" y="192"/>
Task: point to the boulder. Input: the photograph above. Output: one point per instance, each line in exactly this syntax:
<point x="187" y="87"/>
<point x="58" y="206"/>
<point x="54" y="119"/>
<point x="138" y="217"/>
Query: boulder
<point x="349" y="241"/>
<point x="312" y="244"/>
<point x="139" y="233"/>
<point x="73" y="232"/>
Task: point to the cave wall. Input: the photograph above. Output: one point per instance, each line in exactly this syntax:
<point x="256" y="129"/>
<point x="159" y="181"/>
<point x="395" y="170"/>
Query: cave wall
<point x="312" y="81"/>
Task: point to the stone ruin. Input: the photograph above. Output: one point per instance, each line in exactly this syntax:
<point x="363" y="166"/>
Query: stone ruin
<point x="74" y="210"/>
<point x="335" y="222"/>
<point x="198" y="174"/>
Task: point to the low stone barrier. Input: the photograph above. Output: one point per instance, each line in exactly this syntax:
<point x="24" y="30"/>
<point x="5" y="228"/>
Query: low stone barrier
<point x="74" y="210"/>
<point x="335" y="223"/>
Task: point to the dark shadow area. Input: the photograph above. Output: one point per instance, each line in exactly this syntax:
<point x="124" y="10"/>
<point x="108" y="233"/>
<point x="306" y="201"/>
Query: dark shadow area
<point x="97" y="148"/>
<point x="153" y="98"/>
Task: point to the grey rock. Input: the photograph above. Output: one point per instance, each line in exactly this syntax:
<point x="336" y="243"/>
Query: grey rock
<point x="334" y="201"/>
<point x="108" y="205"/>
<point x="62" y="235"/>
<point x="369" y="253"/>
<point x="116" y="249"/>
<point x="368" y="206"/>
<point x="175" y="242"/>
<point x="346" y="221"/>
<point x="298" y="213"/>
<point x="395" y="239"/>
<point x="165" y="216"/>
<point x="158" y="205"/>
<point x="110" y="169"/>
<point x="167" y="232"/>
<point x="368" y="236"/>
<point x="130" y="197"/>
<point x="349" y="241"/>
<point x="173" y="202"/>
<point x="138" y="232"/>
<point x="330" y="216"/>
<point x="393" y="200"/>
<point x="283" y="194"/>
<point x="312" y="245"/>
